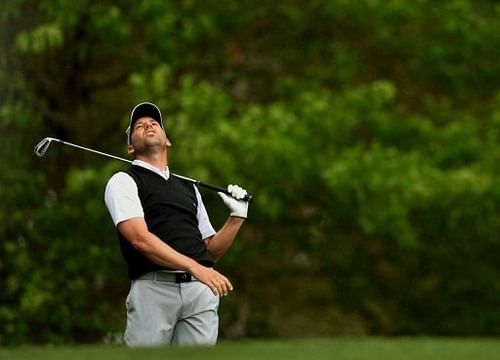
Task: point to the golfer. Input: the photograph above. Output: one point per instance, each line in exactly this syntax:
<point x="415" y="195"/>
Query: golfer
<point x="168" y="242"/>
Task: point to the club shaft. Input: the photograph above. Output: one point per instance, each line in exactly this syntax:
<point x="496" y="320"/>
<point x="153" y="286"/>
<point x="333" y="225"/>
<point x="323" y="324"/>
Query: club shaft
<point x="193" y="181"/>
<point x="91" y="150"/>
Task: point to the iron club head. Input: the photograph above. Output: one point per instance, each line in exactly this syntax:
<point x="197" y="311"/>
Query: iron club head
<point x="42" y="147"/>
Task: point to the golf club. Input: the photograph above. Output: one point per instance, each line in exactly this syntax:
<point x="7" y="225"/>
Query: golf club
<point x="42" y="147"/>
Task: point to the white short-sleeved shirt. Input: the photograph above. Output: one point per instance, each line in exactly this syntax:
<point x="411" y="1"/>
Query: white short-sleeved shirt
<point x="122" y="199"/>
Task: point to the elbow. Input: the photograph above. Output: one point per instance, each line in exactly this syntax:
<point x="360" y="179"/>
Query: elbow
<point x="136" y="233"/>
<point x="139" y="243"/>
<point x="215" y="257"/>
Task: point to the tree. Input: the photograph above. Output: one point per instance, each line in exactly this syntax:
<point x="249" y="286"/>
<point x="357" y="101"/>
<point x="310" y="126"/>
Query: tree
<point x="367" y="130"/>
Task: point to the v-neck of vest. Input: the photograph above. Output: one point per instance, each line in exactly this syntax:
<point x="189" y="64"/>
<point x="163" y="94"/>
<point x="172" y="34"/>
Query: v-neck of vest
<point x="140" y="168"/>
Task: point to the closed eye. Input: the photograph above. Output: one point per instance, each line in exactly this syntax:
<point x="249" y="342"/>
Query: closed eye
<point x="140" y="125"/>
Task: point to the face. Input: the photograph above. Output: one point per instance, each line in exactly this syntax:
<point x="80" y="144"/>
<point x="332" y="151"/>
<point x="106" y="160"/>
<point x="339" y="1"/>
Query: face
<point x="146" y="135"/>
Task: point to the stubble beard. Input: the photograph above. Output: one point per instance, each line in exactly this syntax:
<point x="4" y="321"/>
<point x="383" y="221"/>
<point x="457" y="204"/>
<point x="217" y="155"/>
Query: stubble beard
<point x="150" y="146"/>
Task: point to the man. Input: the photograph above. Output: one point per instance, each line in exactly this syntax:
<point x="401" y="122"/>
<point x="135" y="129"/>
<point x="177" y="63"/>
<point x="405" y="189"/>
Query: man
<point x="168" y="242"/>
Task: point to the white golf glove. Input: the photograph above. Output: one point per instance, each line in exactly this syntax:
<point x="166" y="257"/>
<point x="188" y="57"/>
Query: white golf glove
<point x="238" y="207"/>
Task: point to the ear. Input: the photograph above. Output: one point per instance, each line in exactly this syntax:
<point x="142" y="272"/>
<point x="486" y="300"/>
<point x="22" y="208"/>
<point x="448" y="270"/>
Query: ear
<point x="130" y="150"/>
<point x="169" y="144"/>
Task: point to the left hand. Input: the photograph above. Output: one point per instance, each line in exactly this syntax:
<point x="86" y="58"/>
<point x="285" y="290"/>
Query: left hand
<point x="238" y="207"/>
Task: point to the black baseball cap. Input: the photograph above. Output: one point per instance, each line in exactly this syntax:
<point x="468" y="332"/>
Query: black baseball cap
<point x="143" y="109"/>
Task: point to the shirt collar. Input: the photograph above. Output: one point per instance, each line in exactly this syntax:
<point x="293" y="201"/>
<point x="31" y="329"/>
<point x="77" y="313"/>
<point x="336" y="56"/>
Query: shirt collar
<point x="163" y="173"/>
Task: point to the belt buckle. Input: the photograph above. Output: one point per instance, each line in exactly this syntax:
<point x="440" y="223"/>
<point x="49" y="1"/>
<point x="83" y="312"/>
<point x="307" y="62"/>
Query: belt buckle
<point x="182" y="278"/>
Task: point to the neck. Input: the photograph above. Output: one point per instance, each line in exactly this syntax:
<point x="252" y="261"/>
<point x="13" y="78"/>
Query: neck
<point x="158" y="160"/>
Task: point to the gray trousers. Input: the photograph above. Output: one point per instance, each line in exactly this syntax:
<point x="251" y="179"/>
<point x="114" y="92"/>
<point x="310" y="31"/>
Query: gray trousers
<point x="167" y="313"/>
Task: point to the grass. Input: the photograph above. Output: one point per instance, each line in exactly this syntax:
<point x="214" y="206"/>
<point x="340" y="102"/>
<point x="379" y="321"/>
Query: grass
<point x="328" y="349"/>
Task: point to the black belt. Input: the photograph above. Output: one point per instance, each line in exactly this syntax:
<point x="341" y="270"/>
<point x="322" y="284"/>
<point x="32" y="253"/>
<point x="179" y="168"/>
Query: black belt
<point x="177" y="277"/>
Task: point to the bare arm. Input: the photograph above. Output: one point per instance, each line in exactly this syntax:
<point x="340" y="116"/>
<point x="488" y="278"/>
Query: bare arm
<point x="136" y="232"/>
<point x="219" y="243"/>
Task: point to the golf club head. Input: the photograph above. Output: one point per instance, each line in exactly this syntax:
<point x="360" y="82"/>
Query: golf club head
<point x="42" y="147"/>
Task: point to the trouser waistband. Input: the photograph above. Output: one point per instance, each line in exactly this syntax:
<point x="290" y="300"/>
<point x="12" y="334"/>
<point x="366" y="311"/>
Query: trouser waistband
<point x="175" y="277"/>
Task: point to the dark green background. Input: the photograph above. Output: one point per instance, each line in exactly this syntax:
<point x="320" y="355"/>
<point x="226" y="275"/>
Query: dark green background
<point x="367" y="130"/>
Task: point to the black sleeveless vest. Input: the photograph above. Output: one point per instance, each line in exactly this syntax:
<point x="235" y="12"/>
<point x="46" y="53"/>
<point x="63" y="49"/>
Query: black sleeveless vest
<point x="170" y="208"/>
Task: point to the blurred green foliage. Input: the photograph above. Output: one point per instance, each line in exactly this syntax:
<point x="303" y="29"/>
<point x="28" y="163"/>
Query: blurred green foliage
<point x="367" y="130"/>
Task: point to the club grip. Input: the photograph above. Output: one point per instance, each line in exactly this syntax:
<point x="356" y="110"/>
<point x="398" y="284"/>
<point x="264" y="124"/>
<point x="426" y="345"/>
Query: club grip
<point x="217" y="188"/>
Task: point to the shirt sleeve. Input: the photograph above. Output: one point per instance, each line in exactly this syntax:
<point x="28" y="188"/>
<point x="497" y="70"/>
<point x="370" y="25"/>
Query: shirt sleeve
<point x="122" y="198"/>
<point x="204" y="225"/>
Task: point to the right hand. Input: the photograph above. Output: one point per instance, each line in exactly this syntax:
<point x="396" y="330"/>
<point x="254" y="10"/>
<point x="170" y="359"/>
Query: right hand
<point x="218" y="283"/>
